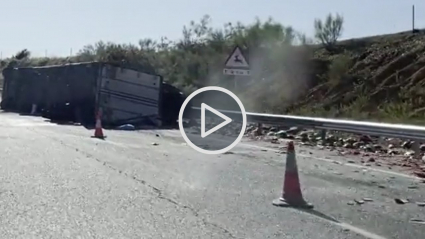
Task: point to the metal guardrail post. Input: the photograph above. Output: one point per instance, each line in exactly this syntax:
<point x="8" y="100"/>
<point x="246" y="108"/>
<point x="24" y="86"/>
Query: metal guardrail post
<point x="381" y="140"/>
<point x="417" y="149"/>
<point x="259" y="130"/>
<point x="323" y="134"/>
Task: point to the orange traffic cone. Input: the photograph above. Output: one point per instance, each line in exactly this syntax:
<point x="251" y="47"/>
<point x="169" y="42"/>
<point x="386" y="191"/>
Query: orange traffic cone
<point x="292" y="195"/>
<point x="98" y="132"/>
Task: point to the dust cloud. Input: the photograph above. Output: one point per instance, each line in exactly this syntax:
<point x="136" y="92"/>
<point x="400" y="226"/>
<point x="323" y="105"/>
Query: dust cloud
<point x="280" y="75"/>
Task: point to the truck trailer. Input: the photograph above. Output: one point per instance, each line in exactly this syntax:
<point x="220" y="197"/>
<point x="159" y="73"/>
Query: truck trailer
<point x="77" y="91"/>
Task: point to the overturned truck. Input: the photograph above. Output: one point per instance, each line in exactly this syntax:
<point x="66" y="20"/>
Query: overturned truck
<point x="75" y="92"/>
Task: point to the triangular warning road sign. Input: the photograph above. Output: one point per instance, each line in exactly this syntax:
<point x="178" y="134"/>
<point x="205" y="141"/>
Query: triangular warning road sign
<point x="236" y="59"/>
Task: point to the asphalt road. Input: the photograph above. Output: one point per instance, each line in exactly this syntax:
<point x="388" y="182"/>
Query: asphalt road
<point x="58" y="182"/>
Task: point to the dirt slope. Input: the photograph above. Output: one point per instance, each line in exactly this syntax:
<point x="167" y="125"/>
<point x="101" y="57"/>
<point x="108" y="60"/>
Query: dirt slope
<point x="380" y="78"/>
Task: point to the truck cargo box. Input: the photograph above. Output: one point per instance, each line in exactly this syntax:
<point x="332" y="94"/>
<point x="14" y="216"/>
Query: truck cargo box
<point x="121" y="93"/>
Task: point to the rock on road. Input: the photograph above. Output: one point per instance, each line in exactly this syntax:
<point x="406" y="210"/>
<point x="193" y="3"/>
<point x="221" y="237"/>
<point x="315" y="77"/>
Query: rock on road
<point x="58" y="182"/>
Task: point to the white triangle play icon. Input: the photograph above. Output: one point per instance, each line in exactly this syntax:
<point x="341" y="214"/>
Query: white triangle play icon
<point x="204" y="107"/>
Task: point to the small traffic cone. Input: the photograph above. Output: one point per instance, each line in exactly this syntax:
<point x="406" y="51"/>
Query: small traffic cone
<point x="98" y="132"/>
<point x="291" y="195"/>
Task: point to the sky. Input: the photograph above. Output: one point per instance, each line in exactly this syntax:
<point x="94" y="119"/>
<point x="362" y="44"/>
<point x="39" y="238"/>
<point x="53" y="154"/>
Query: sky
<point x="54" y="27"/>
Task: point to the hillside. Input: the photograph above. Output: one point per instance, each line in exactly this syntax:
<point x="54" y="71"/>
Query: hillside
<point x="375" y="78"/>
<point x="380" y="78"/>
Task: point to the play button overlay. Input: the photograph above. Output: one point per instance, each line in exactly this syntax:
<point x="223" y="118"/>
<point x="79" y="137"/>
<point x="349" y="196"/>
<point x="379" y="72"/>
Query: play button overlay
<point x="226" y="119"/>
<point x="217" y="120"/>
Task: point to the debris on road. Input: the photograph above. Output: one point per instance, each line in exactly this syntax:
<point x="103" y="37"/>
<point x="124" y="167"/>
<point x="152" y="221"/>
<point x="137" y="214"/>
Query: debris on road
<point x="413" y="186"/>
<point x="155" y="144"/>
<point x="419" y="221"/>
<point x="420" y="174"/>
<point x="275" y="141"/>
<point x="359" y="201"/>
<point x="382" y="152"/>
<point x="401" y="201"/>
<point x="126" y="127"/>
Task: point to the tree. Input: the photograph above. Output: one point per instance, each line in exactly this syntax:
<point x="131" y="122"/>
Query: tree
<point x="22" y="54"/>
<point x="329" y="31"/>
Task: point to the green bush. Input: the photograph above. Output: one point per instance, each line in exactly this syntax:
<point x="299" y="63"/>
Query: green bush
<point x="338" y="69"/>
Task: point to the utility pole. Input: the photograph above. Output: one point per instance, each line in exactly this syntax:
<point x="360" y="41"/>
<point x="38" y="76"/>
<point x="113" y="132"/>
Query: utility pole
<point x="413" y="18"/>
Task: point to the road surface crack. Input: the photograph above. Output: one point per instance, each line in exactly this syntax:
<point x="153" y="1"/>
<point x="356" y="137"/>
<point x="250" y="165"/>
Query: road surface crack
<point x="158" y="191"/>
<point x="161" y="196"/>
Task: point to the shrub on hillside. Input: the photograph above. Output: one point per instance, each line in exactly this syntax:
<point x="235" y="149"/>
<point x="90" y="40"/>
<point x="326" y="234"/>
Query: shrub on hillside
<point x="329" y="31"/>
<point x="338" y="69"/>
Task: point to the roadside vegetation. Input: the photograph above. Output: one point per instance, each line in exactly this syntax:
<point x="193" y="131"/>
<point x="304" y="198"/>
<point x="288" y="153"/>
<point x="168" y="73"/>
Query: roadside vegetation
<point x="378" y="78"/>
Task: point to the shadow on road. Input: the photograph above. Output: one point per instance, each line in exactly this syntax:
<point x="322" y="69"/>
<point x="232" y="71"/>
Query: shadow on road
<point x="113" y="127"/>
<point x="318" y="214"/>
<point x="91" y="125"/>
<point x="69" y="123"/>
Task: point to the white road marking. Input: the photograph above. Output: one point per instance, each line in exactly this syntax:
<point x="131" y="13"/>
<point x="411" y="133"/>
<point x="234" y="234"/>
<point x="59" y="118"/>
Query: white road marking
<point x="359" y="231"/>
<point x="332" y="161"/>
<point x="367" y="234"/>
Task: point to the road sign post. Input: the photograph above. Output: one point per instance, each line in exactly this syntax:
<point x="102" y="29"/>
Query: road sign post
<point x="237" y="65"/>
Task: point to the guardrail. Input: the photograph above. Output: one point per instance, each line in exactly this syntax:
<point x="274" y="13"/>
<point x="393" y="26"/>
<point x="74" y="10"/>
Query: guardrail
<point x="410" y="132"/>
